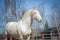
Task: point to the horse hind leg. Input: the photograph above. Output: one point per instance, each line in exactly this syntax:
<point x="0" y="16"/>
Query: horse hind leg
<point x="8" y="37"/>
<point x="5" y="35"/>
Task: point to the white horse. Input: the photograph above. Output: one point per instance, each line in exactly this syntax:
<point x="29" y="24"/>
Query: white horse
<point x="22" y="29"/>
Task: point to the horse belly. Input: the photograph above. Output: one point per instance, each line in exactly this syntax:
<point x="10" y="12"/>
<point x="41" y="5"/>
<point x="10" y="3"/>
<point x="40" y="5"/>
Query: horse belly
<point x="25" y="30"/>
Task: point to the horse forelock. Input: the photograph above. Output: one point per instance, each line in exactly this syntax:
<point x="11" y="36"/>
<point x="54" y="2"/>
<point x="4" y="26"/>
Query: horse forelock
<point x="33" y="10"/>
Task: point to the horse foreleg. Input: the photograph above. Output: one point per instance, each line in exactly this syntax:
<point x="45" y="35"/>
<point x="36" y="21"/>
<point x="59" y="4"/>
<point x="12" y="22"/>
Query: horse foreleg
<point x="28" y="37"/>
<point x="5" y="35"/>
<point x="21" y="37"/>
<point x="11" y="38"/>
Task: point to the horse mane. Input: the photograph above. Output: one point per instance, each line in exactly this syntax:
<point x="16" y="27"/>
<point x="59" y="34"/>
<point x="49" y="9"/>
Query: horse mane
<point x="26" y="14"/>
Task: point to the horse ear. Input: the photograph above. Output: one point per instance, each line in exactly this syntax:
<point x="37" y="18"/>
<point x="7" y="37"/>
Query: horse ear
<point x="34" y="8"/>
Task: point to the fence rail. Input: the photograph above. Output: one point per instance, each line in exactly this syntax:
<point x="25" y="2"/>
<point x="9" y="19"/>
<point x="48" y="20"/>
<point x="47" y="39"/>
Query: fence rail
<point x="45" y="37"/>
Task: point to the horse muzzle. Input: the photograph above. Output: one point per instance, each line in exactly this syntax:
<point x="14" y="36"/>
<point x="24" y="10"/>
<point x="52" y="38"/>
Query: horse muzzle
<point x="40" y="20"/>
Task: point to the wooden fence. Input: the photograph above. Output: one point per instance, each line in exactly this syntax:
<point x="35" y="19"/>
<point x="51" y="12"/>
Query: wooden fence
<point x="46" y="37"/>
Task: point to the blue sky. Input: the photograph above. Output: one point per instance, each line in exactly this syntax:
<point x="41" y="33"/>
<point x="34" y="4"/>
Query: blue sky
<point x="28" y="4"/>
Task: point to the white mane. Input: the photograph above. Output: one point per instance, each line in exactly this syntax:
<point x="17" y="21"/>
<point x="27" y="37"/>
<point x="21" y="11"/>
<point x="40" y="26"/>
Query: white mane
<point x="26" y="14"/>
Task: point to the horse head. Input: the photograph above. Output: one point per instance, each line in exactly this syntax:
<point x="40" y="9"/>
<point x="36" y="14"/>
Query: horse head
<point x="36" y="15"/>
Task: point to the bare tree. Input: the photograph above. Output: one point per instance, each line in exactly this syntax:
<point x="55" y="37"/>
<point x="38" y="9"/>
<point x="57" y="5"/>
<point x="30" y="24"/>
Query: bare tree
<point x="55" y="12"/>
<point x="13" y="9"/>
<point x="10" y="9"/>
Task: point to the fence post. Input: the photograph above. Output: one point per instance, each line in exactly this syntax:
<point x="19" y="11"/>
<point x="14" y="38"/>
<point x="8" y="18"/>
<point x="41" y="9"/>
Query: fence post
<point x="42" y="36"/>
<point x="51" y="35"/>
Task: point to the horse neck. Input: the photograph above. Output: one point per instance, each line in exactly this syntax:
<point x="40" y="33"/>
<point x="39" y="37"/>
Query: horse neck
<point x="27" y="19"/>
